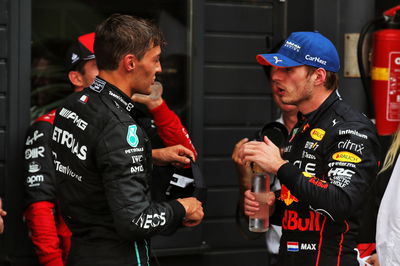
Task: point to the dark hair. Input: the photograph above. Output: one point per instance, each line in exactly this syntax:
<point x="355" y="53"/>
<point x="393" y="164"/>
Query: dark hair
<point x="332" y="78"/>
<point x="80" y="67"/>
<point x="120" y="35"/>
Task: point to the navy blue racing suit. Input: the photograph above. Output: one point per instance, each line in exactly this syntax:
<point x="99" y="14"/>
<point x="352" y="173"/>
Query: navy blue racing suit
<point x="333" y="158"/>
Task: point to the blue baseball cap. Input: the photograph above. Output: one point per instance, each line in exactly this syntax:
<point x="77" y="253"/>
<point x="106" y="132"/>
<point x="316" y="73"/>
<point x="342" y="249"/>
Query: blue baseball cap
<point x="304" y="48"/>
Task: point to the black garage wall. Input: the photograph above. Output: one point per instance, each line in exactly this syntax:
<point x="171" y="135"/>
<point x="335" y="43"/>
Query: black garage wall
<point x="236" y="102"/>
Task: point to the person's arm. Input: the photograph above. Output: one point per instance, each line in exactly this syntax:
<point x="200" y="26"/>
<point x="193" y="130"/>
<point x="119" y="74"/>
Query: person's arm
<point x="39" y="217"/>
<point x="169" y="126"/>
<point x="373" y="260"/>
<point x="125" y="170"/>
<point x="176" y="155"/>
<point x="40" y="193"/>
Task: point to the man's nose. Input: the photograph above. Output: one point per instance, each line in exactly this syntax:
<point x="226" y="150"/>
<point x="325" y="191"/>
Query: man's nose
<point x="159" y="68"/>
<point x="276" y="73"/>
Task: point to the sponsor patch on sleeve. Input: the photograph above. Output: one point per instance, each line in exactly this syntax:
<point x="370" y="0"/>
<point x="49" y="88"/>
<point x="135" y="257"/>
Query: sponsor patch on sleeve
<point x="345" y="156"/>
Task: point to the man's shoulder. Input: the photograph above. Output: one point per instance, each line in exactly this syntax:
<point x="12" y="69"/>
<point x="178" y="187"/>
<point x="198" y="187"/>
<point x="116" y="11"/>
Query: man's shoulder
<point x="348" y="114"/>
<point x="347" y="120"/>
<point x="87" y="104"/>
<point x="48" y="118"/>
<point x="93" y="108"/>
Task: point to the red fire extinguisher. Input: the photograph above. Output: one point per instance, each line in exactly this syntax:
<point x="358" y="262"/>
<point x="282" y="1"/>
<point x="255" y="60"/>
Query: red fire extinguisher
<point x="385" y="72"/>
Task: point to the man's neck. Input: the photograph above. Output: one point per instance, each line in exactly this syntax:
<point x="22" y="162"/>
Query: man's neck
<point x="117" y="79"/>
<point x="318" y="97"/>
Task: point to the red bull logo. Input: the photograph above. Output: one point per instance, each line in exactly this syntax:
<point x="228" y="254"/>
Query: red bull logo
<point x="292" y="221"/>
<point x="286" y="196"/>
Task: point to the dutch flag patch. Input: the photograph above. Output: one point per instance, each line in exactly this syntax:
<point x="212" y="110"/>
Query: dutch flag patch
<point x="293" y="246"/>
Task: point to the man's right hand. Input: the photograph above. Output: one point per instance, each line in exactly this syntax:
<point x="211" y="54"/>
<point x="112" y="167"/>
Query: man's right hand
<point x="194" y="211"/>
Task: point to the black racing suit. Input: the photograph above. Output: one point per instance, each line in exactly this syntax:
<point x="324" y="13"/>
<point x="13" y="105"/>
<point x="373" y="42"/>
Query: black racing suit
<point x="103" y="168"/>
<point x="332" y="154"/>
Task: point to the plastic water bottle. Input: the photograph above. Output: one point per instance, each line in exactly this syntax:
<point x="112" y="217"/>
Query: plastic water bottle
<point x="260" y="187"/>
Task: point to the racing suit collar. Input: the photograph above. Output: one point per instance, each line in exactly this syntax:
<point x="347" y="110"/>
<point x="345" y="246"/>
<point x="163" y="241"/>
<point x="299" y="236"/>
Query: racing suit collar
<point x="314" y="115"/>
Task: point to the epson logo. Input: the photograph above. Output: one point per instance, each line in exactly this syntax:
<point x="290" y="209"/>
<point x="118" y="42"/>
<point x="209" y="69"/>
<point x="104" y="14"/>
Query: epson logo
<point x="74" y="117"/>
<point x="315" y="59"/>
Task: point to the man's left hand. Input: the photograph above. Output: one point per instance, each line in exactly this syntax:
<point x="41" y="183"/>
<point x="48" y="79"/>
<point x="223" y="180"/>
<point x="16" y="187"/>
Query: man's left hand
<point x="265" y="154"/>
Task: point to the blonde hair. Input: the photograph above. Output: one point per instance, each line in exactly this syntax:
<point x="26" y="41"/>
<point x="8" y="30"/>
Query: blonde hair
<point x="392" y="152"/>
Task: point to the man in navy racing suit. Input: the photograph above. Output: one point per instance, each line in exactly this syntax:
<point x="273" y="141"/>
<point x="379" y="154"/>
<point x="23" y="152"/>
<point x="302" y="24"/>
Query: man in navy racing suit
<point x="103" y="157"/>
<point x="328" y="164"/>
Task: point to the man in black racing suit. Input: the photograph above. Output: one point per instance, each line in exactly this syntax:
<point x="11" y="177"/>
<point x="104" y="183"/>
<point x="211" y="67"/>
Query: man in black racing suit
<point x="103" y="157"/>
<point x="329" y="161"/>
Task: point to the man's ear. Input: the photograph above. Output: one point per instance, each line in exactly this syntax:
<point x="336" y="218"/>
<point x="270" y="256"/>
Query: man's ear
<point x="320" y="77"/>
<point x="76" y="78"/>
<point x="129" y="62"/>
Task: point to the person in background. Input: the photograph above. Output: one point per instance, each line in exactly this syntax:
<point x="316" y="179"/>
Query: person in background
<point x="49" y="234"/>
<point x="2" y="213"/>
<point x="168" y="125"/>
<point x="328" y="163"/>
<point x="288" y="118"/>
<point x="388" y="225"/>
<point x="104" y="175"/>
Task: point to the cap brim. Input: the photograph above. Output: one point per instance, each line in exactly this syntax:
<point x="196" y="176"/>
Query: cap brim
<point x="277" y="60"/>
<point x="89" y="57"/>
